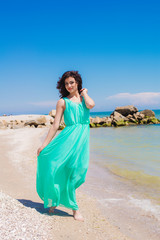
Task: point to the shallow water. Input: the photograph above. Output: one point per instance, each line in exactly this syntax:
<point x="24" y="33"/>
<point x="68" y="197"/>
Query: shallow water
<point x="132" y="152"/>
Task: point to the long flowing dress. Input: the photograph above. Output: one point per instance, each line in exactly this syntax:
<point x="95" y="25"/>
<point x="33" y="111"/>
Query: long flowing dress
<point x="62" y="165"/>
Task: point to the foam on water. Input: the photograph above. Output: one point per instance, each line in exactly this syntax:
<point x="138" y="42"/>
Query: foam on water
<point x="146" y="205"/>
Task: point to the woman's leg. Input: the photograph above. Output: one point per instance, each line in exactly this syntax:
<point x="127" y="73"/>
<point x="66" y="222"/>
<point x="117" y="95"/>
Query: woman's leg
<point x="77" y="215"/>
<point x="51" y="210"/>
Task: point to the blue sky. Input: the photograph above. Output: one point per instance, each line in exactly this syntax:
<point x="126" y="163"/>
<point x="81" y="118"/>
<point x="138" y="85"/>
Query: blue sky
<point x="115" y="46"/>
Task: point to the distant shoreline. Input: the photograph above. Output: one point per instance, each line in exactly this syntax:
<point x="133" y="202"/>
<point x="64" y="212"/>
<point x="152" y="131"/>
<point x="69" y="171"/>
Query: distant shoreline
<point x="121" y="116"/>
<point x="92" y="114"/>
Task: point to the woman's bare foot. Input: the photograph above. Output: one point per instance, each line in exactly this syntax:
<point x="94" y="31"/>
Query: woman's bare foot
<point x="51" y="210"/>
<point x="77" y="215"/>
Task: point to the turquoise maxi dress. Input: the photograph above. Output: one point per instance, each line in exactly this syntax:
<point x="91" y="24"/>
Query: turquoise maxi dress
<point x="62" y="165"/>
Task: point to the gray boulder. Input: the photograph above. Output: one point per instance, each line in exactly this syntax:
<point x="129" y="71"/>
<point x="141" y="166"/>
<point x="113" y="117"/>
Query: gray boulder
<point x="116" y="116"/>
<point x="148" y="113"/>
<point x="138" y="116"/>
<point x="126" y="110"/>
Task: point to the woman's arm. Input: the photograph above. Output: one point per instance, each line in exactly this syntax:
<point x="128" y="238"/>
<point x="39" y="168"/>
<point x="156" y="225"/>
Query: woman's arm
<point x="53" y="129"/>
<point x="88" y="100"/>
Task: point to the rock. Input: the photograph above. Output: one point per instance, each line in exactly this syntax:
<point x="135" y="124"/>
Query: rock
<point x="98" y="125"/>
<point x="39" y="126"/>
<point x="31" y="122"/>
<point x="107" y="124"/>
<point x="61" y="127"/>
<point x="126" y="110"/>
<point x="108" y="120"/>
<point x="133" y="117"/>
<point x="148" y="113"/>
<point x="144" y="121"/>
<point x="132" y="124"/>
<point x="41" y="120"/>
<point x="28" y="126"/>
<point x="138" y="116"/>
<point x="52" y="113"/>
<point x="92" y="125"/>
<point x="118" y="117"/>
<point x="119" y="123"/>
<point x="102" y="120"/>
<point x="16" y="126"/>
<point x="96" y="120"/>
<point x="133" y="120"/>
<point x="47" y="124"/>
<point x="129" y="116"/>
<point x="19" y="121"/>
<point x="153" y="120"/>
<point x="99" y="120"/>
<point x="92" y="120"/>
<point x="51" y="121"/>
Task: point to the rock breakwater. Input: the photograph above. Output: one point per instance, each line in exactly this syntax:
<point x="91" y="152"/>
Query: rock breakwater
<point x="121" y="116"/>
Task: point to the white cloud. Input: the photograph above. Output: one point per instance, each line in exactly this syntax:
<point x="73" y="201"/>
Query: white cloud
<point x="140" y="99"/>
<point x="44" y="103"/>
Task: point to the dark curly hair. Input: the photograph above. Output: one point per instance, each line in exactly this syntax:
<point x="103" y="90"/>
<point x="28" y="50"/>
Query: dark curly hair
<point x="61" y="83"/>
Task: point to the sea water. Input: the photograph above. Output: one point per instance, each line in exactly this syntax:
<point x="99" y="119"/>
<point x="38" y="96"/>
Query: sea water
<point x="132" y="152"/>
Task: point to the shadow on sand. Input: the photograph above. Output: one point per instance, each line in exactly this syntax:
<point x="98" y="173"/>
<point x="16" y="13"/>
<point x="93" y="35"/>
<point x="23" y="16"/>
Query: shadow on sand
<point x="40" y="208"/>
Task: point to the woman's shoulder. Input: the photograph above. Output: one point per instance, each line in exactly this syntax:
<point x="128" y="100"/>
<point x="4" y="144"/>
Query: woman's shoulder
<point x="61" y="101"/>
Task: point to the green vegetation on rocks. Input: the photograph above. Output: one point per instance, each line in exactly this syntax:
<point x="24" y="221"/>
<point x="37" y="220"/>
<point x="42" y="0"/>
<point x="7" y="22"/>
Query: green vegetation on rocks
<point x="92" y="125"/>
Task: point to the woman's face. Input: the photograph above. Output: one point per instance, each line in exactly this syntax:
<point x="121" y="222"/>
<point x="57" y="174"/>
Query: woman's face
<point x="70" y="84"/>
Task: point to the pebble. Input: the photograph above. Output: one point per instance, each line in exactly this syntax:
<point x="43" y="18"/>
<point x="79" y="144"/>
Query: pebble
<point x="19" y="222"/>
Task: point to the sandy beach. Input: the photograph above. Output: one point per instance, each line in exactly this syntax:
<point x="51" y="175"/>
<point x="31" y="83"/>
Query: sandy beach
<point x="89" y="70"/>
<point x="24" y="217"/>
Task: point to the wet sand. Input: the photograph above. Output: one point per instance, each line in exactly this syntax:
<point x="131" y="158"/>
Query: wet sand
<point x="122" y="205"/>
<point x="108" y="214"/>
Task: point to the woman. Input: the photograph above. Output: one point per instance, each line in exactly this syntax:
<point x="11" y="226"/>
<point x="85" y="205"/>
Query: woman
<point x="62" y="163"/>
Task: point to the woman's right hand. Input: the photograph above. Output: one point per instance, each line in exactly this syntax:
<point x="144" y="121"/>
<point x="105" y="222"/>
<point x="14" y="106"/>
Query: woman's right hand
<point x="39" y="150"/>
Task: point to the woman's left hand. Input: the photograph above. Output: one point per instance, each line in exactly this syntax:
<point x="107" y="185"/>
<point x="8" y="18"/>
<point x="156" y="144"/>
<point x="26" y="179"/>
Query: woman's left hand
<point x="83" y="91"/>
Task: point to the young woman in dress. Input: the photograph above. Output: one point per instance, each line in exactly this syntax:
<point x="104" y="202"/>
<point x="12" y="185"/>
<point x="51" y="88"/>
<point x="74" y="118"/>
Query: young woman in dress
<point x="62" y="162"/>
